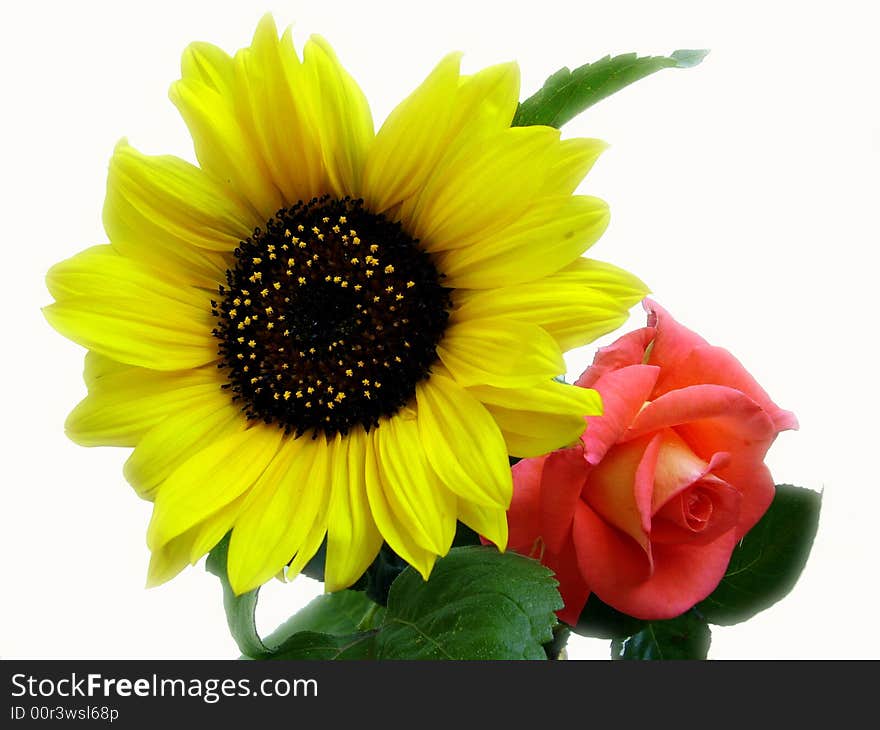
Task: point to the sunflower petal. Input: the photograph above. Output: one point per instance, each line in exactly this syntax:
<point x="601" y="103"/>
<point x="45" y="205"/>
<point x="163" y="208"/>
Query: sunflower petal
<point x="463" y="202"/>
<point x="539" y="419"/>
<point x="274" y="100"/>
<point x="210" y="103"/>
<point x="395" y="532"/>
<point x="125" y="311"/>
<point x="490" y="522"/>
<point x="209" y="480"/>
<point x="579" y="303"/>
<point x="353" y="540"/>
<point x="499" y="352"/>
<point x="342" y="117"/>
<point x="279" y="512"/>
<point x="168" y="560"/>
<point x="212" y="530"/>
<point x="124" y="404"/>
<point x="414" y="492"/>
<point x="410" y="141"/>
<point x="549" y="235"/>
<point x="321" y="475"/>
<point x="177" y="438"/>
<point x="173" y="216"/>
<point x="463" y="443"/>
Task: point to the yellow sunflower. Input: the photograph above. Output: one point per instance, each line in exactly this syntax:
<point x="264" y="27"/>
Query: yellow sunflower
<point x="326" y="332"/>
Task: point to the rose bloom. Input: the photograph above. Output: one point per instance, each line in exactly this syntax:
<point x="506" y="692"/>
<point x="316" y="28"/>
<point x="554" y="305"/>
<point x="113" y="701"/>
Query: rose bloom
<point x="645" y="510"/>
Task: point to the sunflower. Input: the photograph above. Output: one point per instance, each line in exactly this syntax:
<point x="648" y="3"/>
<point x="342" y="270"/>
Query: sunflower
<point x="322" y="332"/>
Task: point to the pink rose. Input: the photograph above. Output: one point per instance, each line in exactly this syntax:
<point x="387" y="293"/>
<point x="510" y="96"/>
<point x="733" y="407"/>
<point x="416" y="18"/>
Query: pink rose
<point x="646" y="508"/>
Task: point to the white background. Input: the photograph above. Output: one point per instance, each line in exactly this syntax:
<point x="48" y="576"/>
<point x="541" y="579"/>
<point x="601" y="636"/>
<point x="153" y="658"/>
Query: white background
<point x="744" y="192"/>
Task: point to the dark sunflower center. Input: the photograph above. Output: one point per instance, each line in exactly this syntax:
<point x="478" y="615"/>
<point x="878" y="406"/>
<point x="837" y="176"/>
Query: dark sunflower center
<point x="329" y="319"/>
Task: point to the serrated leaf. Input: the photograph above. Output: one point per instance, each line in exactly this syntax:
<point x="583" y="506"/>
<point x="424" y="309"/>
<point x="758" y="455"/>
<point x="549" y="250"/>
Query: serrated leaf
<point x="239" y="609"/>
<point x="601" y="621"/>
<point x="686" y="637"/>
<point x="567" y="93"/>
<point x="768" y="561"/>
<point x="478" y="604"/>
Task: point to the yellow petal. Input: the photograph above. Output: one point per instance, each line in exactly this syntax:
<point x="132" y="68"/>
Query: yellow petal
<point x="177" y="438"/>
<point x="275" y="106"/>
<point x="127" y="312"/>
<point x="100" y="272"/>
<point x="169" y="559"/>
<point x="353" y="540"/>
<point x="443" y="113"/>
<point x="214" y="109"/>
<point x="490" y="522"/>
<point x="395" y="531"/>
<point x="463" y="443"/>
<point x="209" y="480"/>
<point x="499" y="352"/>
<point x="342" y="117"/>
<point x="486" y="101"/>
<point x="280" y="511"/>
<point x="463" y="201"/>
<point x="124" y="404"/>
<point x="415" y="494"/>
<point x="212" y="530"/>
<point x="583" y="301"/>
<point x="173" y="216"/>
<point x="412" y="138"/>
<point x="319" y="479"/>
<point x="548" y="235"/>
<point x="541" y="418"/>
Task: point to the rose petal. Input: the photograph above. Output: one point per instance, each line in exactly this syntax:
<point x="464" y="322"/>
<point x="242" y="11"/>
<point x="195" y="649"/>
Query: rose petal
<point x="524" y="513"/>
<point x="623" y="392"/>
<point x="711" y="419"/>
<point x="619" y="489"/>
<point x="685" y="359"/>
<point x="614" y="568"/>
<point x="605" y="555"/>
<point x="572" y="587"/>
<point x="717" y="366"/>
<point x="627" y="350"/>
<point x="719" y="511"/>
<point x="565" y="472"/>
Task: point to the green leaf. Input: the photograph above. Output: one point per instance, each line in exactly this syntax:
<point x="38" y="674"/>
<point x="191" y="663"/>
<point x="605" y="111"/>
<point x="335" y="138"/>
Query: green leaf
<point x="239" y="609"/>
<point x="339" y="613"/>
<point x="314" y="645"/>
<point x="478" y="604"/>
<point x="567" y="93"/>
<point x="768" y="561"/>
<point x="601" y="621"/>
<point x="686" y="637"/>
